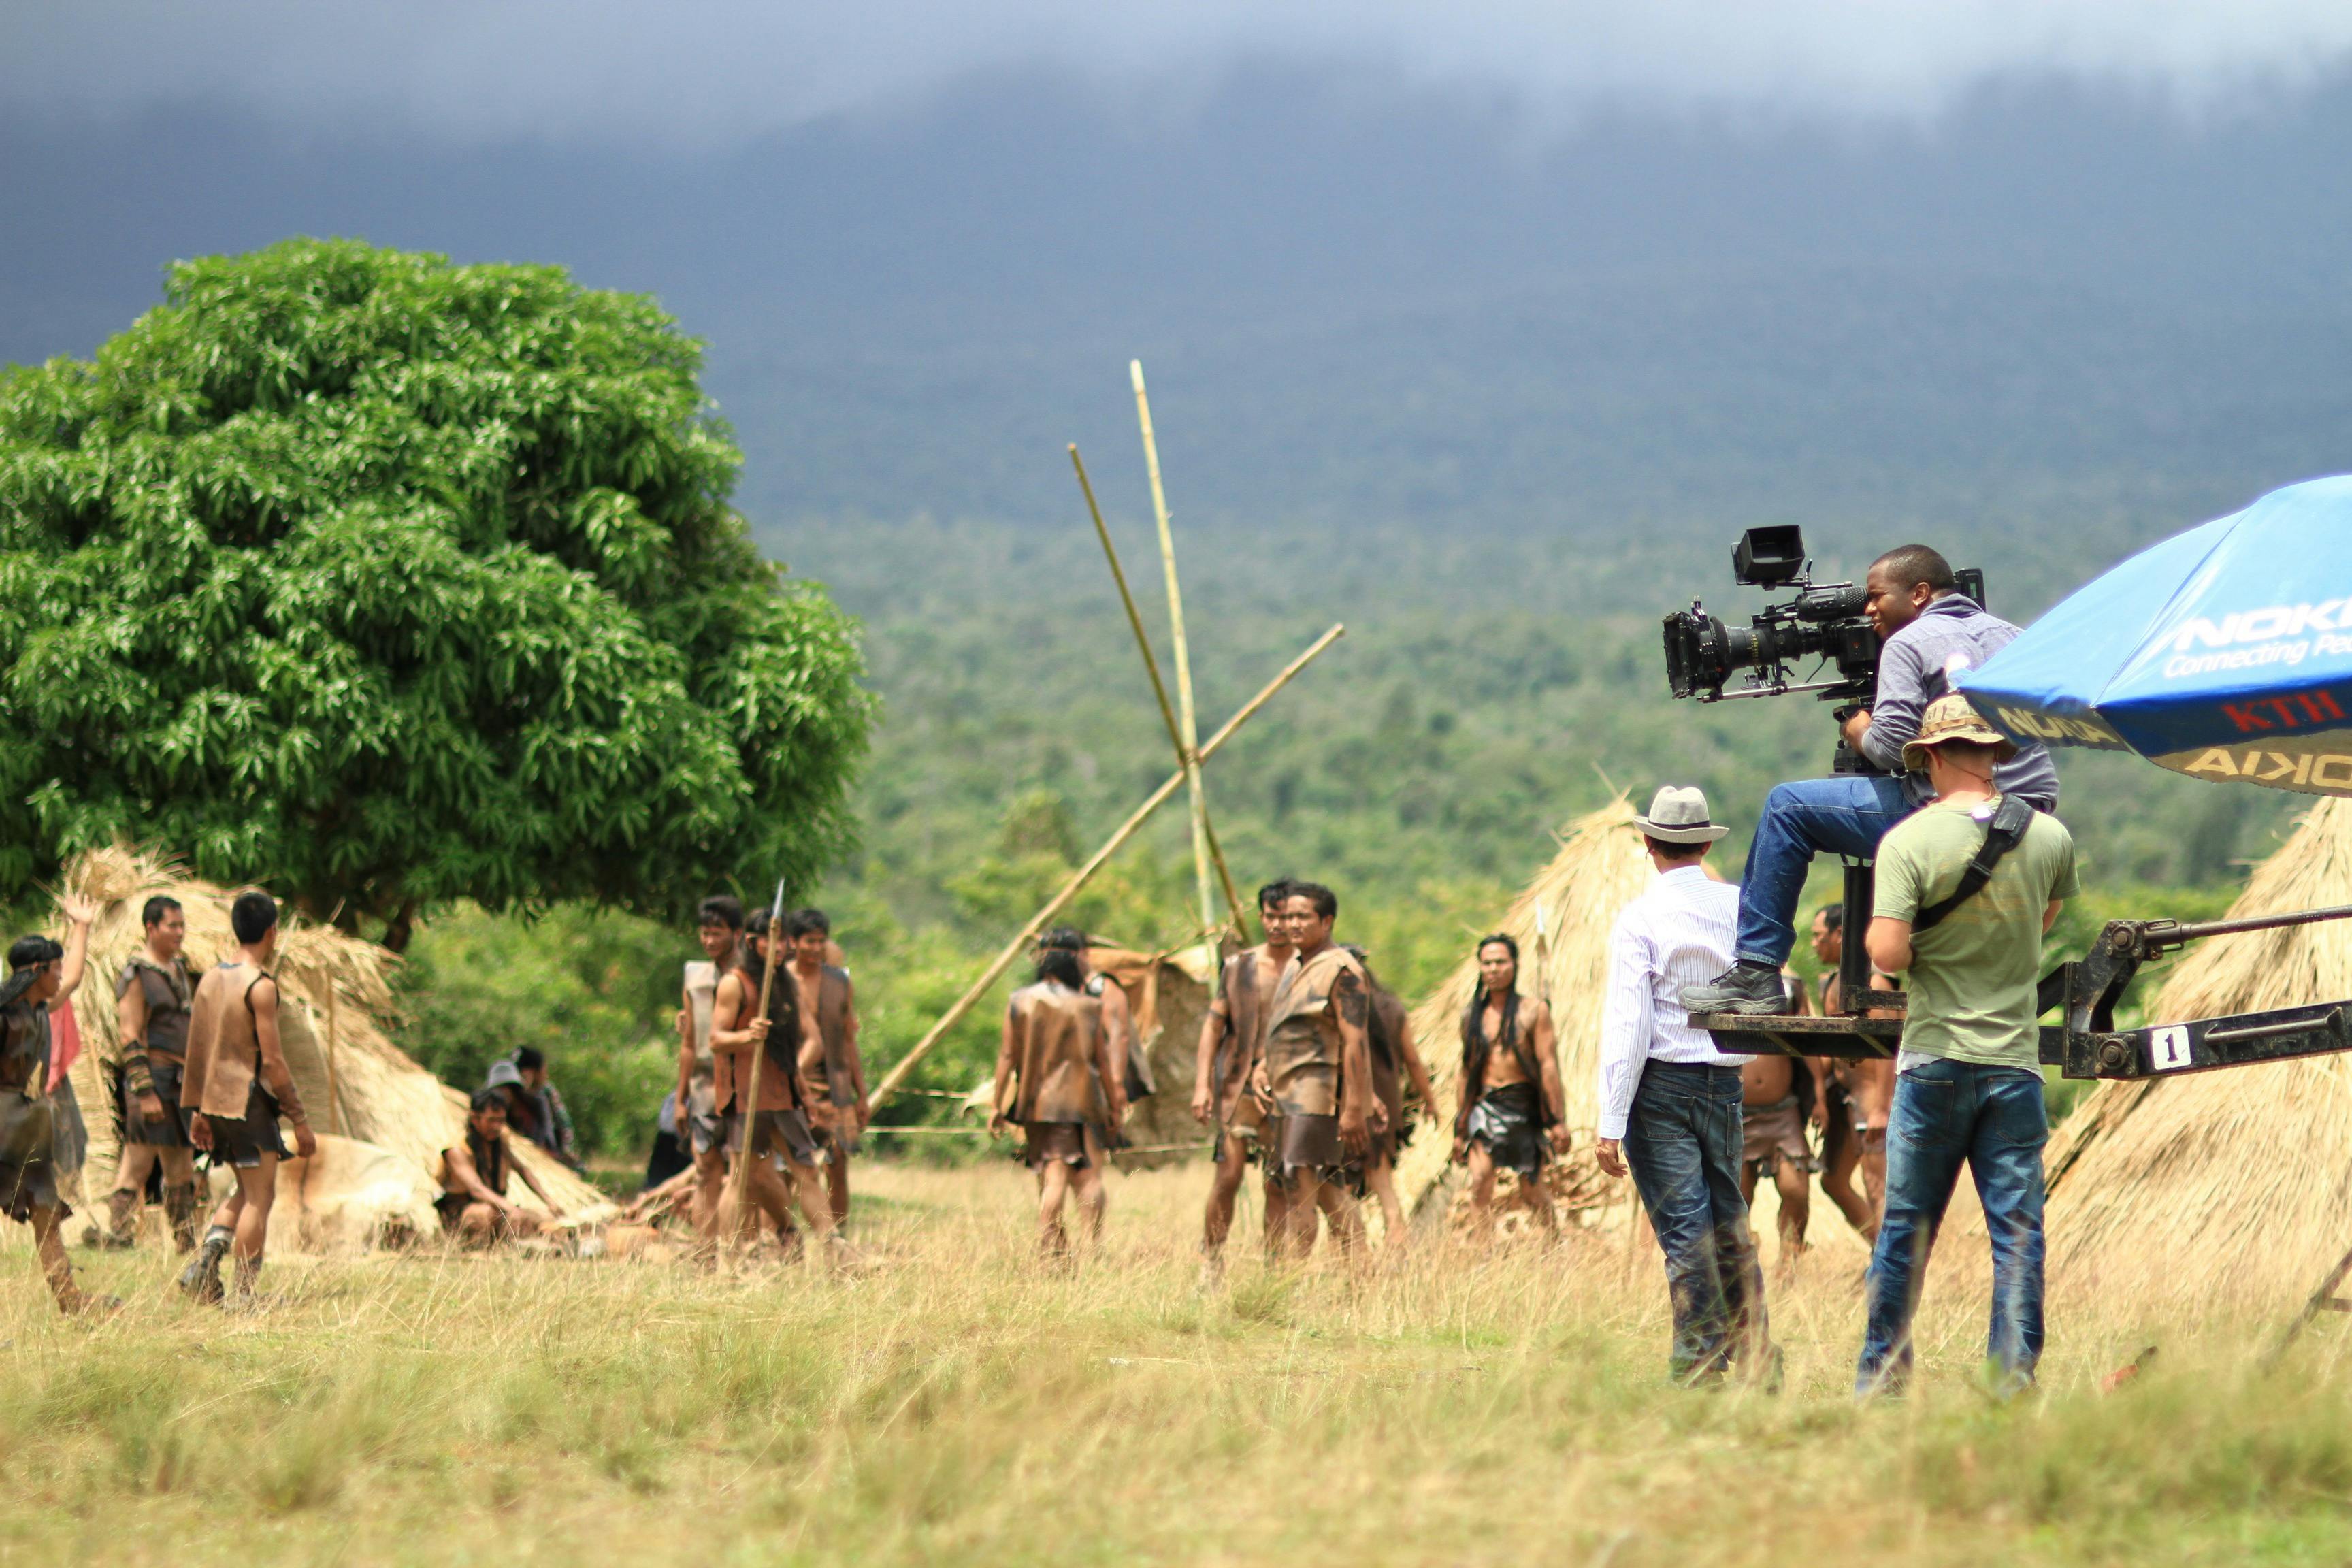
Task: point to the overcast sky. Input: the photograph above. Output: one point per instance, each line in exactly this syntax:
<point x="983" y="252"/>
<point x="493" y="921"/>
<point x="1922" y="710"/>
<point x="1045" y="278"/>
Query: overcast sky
<point x="721" y="71"/>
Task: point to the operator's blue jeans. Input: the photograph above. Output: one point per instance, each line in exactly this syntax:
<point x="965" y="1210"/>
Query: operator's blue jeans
<point x="1843" y="816"/>
<point x="1683" y="1142"/>
<point x="1945" y="1112"/>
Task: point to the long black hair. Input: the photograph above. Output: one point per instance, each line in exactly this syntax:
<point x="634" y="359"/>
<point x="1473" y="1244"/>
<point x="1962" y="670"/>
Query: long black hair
<point x="1061" y="963"/>
<point x="1475" y="1047"/>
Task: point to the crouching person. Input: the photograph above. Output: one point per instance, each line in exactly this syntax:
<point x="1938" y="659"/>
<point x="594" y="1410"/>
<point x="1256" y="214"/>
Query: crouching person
<point x="1057" y="1077"/>
<point x="40" y="971"/>
<point x="1969" y="1080"/>
<point x="473" y="1205"/>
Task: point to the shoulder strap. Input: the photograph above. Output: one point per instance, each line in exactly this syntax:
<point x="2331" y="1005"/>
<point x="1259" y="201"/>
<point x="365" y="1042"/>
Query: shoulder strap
<point x="2002" y="833"/>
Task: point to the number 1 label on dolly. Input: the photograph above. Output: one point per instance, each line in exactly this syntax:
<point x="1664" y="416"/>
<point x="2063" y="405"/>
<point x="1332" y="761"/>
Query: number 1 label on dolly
<point x="2168" y="1048"/>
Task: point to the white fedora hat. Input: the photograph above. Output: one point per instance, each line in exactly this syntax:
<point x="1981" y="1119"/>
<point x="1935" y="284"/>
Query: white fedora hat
<point x="1678" y="816"/>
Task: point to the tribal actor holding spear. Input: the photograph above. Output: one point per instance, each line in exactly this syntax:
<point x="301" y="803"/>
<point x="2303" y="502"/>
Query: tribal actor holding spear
<point x="1058" y="1074"/>
<point x="720" y="929"/>
<point x="1233" y="1038"/>
<point x="758" y="1036"/>
<point x="152" y="999"/>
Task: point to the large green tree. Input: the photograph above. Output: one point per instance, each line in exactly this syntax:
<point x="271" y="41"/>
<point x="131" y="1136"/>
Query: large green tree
<point x="381" y="581"/>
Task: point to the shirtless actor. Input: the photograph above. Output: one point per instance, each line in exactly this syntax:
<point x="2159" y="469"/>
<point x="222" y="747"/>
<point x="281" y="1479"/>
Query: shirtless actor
<point x="836" y="1076"/>
<point x="778" y="1128"/>
<point x="1773" y="1123"/>
<point x="236" y="1088"/>
<point x="1233" y="1037"/>
<point x="1853" y="1101"/>
<point x="1388" y="1038"/>
<point x="1512" y="1114"/>
<point x="720" y="929"/>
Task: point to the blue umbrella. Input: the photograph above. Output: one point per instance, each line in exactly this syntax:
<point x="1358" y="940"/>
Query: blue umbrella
<point x="2222" y="653"/>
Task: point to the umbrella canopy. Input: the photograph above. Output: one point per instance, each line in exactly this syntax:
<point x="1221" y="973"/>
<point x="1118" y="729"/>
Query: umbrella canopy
<point x="2222" y="653"/>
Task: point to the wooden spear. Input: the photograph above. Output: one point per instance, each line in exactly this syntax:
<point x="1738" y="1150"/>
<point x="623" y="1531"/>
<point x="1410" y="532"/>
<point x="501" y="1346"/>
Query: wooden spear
<point x="1159" y="690"/>
<point x="1189" y="745"/>
<point x="1078" y="878"/>
<point x="747" y="1098"/>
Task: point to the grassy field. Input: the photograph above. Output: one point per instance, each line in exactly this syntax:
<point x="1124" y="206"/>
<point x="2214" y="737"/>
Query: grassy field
<point x="950" y="1402"/>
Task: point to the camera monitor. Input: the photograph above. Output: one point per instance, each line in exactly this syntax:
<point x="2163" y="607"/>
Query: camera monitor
<point x="1767" y="557"/>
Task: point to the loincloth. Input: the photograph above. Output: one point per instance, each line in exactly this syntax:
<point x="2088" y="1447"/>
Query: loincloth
<point x="240" y="1141"/>
<point x="1774" y="1132"/>
<point x="1508" y="1123"/>
<point x="785" y="1132"/>
<point x="1071" y="1144"/>
<point x="169" y="1132"/>
<point x="1294" y="1141"/>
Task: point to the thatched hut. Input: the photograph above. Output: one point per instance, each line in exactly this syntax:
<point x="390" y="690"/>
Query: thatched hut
<point x="384" y="1118"/>
<point x="1561" y="923"/>
<point x="2234" y="1185"/>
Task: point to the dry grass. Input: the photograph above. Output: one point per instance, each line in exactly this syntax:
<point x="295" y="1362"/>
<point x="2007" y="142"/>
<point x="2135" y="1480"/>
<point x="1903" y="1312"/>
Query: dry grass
<point x="2234" y="1186"/>
<point x="953" y="1404"/>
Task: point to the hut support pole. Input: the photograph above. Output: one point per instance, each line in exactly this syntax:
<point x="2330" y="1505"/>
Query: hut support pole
<point x="334" y="1094"/>
<point x="1160" y="690"/>
<point x="1078" y="878"/>
<point x="1189" y="745"/>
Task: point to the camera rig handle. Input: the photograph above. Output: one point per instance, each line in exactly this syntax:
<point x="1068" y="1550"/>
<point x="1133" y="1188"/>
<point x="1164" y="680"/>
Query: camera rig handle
<point x="2087" y="1045"/>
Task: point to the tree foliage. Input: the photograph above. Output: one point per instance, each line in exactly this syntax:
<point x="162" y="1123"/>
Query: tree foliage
<point x="382" y="581"/>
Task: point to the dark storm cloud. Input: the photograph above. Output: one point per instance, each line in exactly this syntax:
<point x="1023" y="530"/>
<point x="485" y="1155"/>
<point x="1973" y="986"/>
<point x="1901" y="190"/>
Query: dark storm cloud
<point x="724" y="70"/>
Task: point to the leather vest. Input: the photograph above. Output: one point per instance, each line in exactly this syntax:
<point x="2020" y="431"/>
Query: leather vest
<point x="168" y="993"/>
<point x="1057" y="1035"/>
<point x="1303" y="1049"/>
<point x="224" y="1047"/>
<point x="1245" y="997"/>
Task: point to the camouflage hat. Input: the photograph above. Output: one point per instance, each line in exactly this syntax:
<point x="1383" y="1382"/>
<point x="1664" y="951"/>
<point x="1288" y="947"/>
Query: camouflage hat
<point x="1949" y="718"/>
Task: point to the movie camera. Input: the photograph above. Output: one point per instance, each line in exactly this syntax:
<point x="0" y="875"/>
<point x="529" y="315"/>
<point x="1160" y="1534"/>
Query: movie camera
<point x="1824" y="620"/>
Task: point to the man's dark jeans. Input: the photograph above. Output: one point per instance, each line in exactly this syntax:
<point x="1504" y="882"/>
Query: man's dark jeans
<point x="1683" y="1142"/>
<point x="1945" y="1112"/>
<point x="1843" y="816"/>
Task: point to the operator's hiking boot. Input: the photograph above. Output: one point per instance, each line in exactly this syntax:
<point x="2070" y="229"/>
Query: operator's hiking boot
<point x="1755" y="990"/>
<point x="201" y="1281"/>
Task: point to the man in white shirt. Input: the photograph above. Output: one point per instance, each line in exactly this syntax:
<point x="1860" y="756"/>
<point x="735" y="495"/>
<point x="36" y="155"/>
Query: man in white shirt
<point x="1670" y="1107"/>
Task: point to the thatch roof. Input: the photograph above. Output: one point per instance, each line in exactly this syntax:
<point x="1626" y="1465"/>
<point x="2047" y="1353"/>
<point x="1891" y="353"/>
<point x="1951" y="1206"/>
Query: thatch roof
<point x="2232" y="1184"/>
<point x="330" y="982"/>
<point x="1601" y="867"/>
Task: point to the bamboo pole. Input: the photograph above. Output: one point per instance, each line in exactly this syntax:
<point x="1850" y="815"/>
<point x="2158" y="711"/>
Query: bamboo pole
<point x="1159" y="690"/>
<point x="747" y="1097"/>
<point x="1189" y="749"/>
<point x="334" y="1095"/>
<point x="1078" y="878"/>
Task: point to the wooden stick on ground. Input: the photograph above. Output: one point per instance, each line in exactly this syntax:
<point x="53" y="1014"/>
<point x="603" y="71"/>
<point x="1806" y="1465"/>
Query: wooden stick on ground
<point x="1159" y="690"/>
<point x="747" y="1097"/>
<point x="1078" y="878"/>
<point x="1189" y="745"/>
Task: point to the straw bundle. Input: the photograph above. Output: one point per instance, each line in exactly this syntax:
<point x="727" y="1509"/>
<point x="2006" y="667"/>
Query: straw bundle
<point x="1601" y="867"/>
<point x="2234" y="1184"/>
<point x="380" y="1098"/>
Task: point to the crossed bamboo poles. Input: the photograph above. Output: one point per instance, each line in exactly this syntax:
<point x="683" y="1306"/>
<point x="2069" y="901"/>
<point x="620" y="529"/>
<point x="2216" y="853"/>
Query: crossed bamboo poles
<point x="1178" y="719"/>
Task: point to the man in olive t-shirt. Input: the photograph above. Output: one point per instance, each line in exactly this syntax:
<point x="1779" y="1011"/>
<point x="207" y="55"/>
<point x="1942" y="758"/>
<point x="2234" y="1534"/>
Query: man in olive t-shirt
<point x="1969" y="1083"/>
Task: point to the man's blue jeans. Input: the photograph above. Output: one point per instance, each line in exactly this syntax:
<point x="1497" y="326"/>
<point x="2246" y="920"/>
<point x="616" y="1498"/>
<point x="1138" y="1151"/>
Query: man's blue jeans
<point x="1843" y="816"/>
<point x="1945" y="1112"/>
<point x="1683" y="1141"/>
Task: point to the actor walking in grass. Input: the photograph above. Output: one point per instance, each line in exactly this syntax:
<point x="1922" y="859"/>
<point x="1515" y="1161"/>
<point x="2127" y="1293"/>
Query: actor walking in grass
<point x="1772" y="1130"/>
<point x="1512" y="1111"/>
<point x="836" y="1078"/>
<point x="1851" y="1099"/>
<point x="1387" y="1039"/>
<point x="236" y="1088"/>
<point x="1317" y="1071"/>
<point x="720" y="929"/>
<point x="151" y="998"/>
<point x="1232" y="1040"/>
<point x="1059" y="1077"/>
<point x="40" y="973"/>
<point x="778" y="1126"/>
<point x="1670" y="1098"/>
<point x="1968" y="1084"/>
<point x="473" y="1205"/>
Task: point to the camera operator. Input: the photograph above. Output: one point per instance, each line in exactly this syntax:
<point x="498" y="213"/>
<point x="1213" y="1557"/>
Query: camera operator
<point x="1932" y="632"/>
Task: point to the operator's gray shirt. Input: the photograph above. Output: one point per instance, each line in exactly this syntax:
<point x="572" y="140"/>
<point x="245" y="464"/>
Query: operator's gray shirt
<point x="1915" y="668"/>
